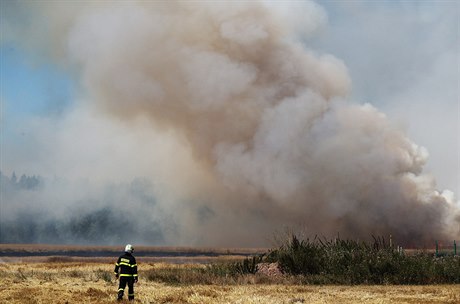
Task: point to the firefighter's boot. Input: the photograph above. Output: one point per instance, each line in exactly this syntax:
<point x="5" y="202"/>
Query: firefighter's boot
<point x="131" y="298"/>
<point x="120" y="295"/>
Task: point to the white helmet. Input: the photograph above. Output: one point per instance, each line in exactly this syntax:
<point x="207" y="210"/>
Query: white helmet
<point x="129" y="248"/>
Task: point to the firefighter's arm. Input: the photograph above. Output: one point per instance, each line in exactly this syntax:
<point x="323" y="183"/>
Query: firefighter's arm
<point x="117" y="266"/>
<point x="136" y="277"/>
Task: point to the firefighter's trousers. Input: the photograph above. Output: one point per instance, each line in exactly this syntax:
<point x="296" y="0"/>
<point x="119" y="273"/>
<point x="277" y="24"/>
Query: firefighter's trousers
<point x="121" y="287"/>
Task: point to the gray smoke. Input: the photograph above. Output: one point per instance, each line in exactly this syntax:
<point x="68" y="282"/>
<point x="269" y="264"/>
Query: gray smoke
<point x="56" y="211"/>
<point x="258" y="130"/>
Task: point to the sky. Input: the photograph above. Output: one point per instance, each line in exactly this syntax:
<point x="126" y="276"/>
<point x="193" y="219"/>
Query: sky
<point x="66" y="108"/>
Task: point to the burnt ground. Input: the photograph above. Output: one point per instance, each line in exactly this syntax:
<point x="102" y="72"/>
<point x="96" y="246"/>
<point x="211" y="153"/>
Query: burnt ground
<point x="56" y="253"/>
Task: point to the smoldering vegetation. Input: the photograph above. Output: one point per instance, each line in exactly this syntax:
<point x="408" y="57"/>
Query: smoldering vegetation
<point x="265" y="135"/>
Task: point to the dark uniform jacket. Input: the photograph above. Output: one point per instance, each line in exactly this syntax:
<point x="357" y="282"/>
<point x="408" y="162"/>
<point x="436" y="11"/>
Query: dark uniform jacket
<point x="127" y="266"/>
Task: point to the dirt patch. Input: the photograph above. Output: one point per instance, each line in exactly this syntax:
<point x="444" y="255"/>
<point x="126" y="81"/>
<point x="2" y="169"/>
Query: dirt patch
<point x="269" y="269"/>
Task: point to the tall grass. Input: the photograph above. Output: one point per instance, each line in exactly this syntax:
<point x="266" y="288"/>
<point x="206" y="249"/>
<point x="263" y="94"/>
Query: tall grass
<point x="353" y="262"/>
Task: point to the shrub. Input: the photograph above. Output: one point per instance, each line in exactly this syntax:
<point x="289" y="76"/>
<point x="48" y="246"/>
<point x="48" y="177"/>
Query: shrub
<point x="104" y="275"/>
<point x="247" y="266"/>
<point x="299" y="257"/>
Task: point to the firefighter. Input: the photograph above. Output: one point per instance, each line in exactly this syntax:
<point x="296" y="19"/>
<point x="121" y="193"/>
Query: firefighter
<point x="126" y="270"/>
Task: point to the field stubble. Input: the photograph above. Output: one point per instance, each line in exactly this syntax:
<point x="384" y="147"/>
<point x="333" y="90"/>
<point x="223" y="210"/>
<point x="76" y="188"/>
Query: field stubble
<point x="73" y="282"/>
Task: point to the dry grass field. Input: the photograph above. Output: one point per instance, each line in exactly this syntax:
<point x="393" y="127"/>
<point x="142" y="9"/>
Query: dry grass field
<point x="82" y="282"/>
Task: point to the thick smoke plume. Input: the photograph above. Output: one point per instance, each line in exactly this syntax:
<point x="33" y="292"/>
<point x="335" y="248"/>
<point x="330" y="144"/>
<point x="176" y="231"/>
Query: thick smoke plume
<point x="264" y="132"/>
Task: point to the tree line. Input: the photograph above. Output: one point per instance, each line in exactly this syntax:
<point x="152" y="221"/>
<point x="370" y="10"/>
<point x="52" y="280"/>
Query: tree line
<point x="26" y="182"/>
